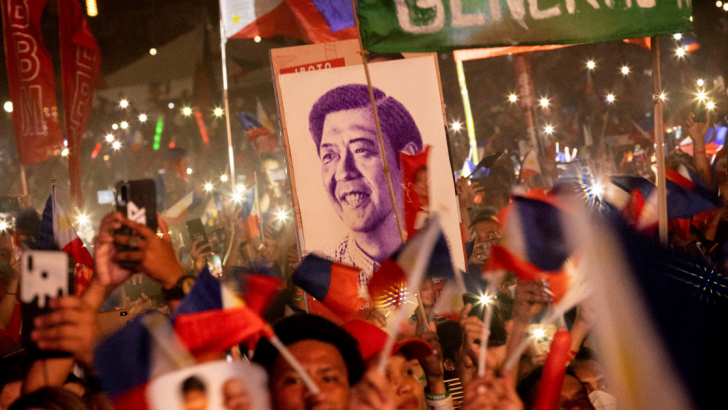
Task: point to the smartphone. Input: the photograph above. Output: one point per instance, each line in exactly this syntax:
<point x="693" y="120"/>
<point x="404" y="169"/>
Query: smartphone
<point x="44" y="275"/>
<point x="541" y="338"/>
<point x="136" y="200"/>
<point x="701" y="112"/>
<point x="478" y="308"/>
<point x="9" y="204"/>
<point x="105" y="197"/>
<point x="197" y="231"/>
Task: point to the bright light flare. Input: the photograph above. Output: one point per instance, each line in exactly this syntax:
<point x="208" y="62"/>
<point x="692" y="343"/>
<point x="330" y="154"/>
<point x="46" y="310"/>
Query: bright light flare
<point x="610" y="98"/>
<point x="3" y="225"/>
<point x="662" y="97"/>
<point x="549" y="129"/>
<point x="680" y="52"/>
<point x="153" y="51"/>
<point x="8" y="106"/>
<point x="710" y="105"/>
<point x="237" y="197"/>
<point x="456" y="126"/>
<point x="189" y="171"/>
<point x="218" y="112"/>
<point x="82" y="219"/>
<point x="539" y="333"/>
<point x="187" y="111"/>
<point x="591" y="64"/>
<point x="114" y="126"/>
<point x="116" y="145"/>
<point x="64" y="153"/>
<point x="282" y="215"/>
<point x="109" y="138"/>
<point x="725" y="6"/>
<point x="702" y="96"/>
<point x="701" y="82"/>
<point x="142" y="117"/>
<point x="625" y="70"/>
<point x="223" y="178"/>
<point x="124" y="125"/>
<point x="513" y="98"/>
<point x="170" y="105"/>
<point x="544" y="102"/>
<point x="257" y="39"/>
<point x="718" y="3"/>
<point x="208" y="187"/>
<point x="484" y="299"/>
<point x="91" y="8"/>
<point x="677" y="36"/>
<point x="124" y="103"/>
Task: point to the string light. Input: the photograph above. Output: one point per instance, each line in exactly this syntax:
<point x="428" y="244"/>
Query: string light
<point x="701" y="82"/>
<point x="116" y="145"/>
<point x="625" y="70"/>
<point x="591" y="64"/>
<point x="549" y="129"/>
<point x="124" y="103"/>
<point x="153" y="51"/>
<point x="223" y="178"/>
<point x="142" y="117"/>
<point x="218" y="112"/>
<point x="456" y="126"/>
<point x="513" y="98"/>
<point x="91" y="9"/>
<point x="109" y="138"/>
<point x="544" y="102"/>
<point x="124" y="125"/>
<point x="208" y="187"/>
<point x="187" y="111"/>
<point x="8" y="106"/>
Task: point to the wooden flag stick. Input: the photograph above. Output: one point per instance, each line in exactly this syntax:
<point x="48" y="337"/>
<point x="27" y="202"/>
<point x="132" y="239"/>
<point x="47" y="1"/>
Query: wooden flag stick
<point x="382" y="151"/>
<point x="659" y="143"/>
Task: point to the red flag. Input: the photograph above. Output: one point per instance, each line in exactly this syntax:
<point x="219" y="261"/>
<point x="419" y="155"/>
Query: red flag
<point x="80" y="61"/>
<point x="217" y="330"/>
<point x="30" y="75"/>
<point x="412" y="166"/>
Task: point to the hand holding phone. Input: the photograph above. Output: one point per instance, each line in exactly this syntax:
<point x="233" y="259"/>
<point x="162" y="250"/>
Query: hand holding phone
<point x="136" y="201"/>
<point x="71" y="328"/>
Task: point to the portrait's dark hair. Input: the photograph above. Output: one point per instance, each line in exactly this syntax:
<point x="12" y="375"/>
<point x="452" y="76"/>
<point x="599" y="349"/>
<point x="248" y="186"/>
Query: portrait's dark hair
<point x="193" y="383"/>
<point x="311" y="327"/>
<point x="51" y="398"/>
<point x="397" y="123"/>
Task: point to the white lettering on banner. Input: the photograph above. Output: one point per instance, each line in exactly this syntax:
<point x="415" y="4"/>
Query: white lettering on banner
<point x="83" y="94"/>
<point x="537" y="14"/>
<point x="135" y="214"/>
<point x="28" y="63"/>
<point x="571" y="5"/>
<point x="437" y="23"/>
<point x="461" y="20"/>
<point x="319" y="66"/>
<point x="31" y="111"/>
<point x="647" y="4"/>
<point x="495" y="10"/>
<point x="518" y="11"/>
<point x="19" y="15"/>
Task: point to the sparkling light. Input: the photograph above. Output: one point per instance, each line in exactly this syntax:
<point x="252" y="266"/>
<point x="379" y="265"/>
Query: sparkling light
<point x="142" y="117"/>
<point x="625" y="70"/>
<point x="153" y="51"/>
<point x="64" y="153"/>
<point x="680" y="52"/>
<point x="710" y="105"/>
<point x="116" y="145"/>
<point x="610" y="98"/>
<point x="114" y="126"/>
<point x="82" y="219"/>
<point x="240" y="188"/>
<point x="662" y="96"/>
<point x="189" y="171"/>
<point x="701" y="95"/>
<point x="257" y="39"/>
<point x="513" y="98"/>
<point x="8" y="106"/>
<point x="484" y="299"/>
<point x="109" y="138"/>
<point x="218" y="112"/>
<point x="237" y="197"/>
<point x="223" y="178"/>
<point x="124" y="103"/>
<point x="456" y="126"/>
<point x="124" y="125"/>
<point x="208" y="187"/>
<point x="187" y="111"/>
<point x="281" y="215"/>
<point x="701" y="82"/>
<point x="3" y="225"/>
<point x="539" y="333"/>
<point x="544" y="102"/>
<point x="549" y="129"/>
<point x="677" y="36"/>
<point x="591" y="64"/>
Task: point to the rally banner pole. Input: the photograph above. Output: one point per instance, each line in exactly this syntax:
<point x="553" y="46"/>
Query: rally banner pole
<point x="402" y="235"/>
<point x="223" y="41"/>
<point x="23" y="181"/>
<point x="468" y="111"/>
<point x="660" y="142"/>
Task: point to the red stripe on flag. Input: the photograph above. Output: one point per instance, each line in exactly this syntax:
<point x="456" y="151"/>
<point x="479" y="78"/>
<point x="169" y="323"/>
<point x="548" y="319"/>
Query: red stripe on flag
<point x="502" y="259"/>
<point x="135" y="398"/>
<point x="260" y="290"/>
<point x="675" y="177"/>
<point x="343" y="295"/>
<point x="217" y="330"/>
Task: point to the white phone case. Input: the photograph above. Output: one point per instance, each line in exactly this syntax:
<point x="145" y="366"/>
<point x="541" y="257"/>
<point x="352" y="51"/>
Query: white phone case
<point x="43" y="274"/>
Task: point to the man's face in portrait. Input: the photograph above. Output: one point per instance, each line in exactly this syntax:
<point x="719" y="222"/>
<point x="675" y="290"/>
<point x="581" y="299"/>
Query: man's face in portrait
<point x="352" y="169"/>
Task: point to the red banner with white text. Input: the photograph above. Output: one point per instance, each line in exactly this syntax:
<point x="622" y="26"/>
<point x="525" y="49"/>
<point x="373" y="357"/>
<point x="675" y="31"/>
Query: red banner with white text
<point x="30" y="75"/>
<point x="80" y="60"/>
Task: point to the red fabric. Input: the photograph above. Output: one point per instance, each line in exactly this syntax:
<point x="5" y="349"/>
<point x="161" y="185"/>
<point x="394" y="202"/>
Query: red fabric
<point x="217" y="330"/>
<point x="135" y="398"/>
<point x="260" y="290"/>
<point x="502" y="259"/>
<point x="30" y="76"/>
<point x="13" y="329"/>
<point x="388" y="285"/>
<point x="680" y="227"/>
<point x="554" y="372"/>
<point x="252" y="229"/>
<point x="645" y="42"/>
<point x="411" y="165"/>
<point x="84" y="264"/>
<point x="80" y="62"/>
<point x="675" y="177"/>
<point x="298" y="19"/>
<point x="343" y="296"/>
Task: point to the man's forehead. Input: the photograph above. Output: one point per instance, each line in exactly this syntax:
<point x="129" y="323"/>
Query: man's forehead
<point x="314" y="354"/>
<point x="359" y="119"/>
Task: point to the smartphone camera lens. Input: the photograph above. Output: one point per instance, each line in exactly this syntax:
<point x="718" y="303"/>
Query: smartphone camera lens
<point x="122" y="194"/>
<point x="30" y="263"/>
<point x="44" y="275"/>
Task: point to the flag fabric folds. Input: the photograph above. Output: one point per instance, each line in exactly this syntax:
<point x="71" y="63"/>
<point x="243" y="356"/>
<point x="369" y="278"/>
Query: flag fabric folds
<point x="30" y="76"/>
<point x="259" y="284"/>
<point x="179" y="211"/>
<point x="80" y="63"/>
<point x="335" y="285"/>
<point x="413" y="166"/>
<point x="57" y="233"/>
<point x="311" y="21"/>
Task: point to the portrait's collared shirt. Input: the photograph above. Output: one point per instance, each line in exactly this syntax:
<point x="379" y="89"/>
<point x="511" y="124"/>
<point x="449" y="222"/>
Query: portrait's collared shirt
<point x="349" y="253"/>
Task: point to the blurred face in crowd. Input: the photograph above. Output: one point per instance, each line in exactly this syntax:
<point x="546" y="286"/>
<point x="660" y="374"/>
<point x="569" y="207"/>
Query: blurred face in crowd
<point x="352" y="170"/>
<point x="486" y="231"/>
<point x="427" y="293"/>
<point x="272" y="169"/>
<point x="420" y="186"/>
<point x="195" y="400"/>
<point x="592" y="375"/>
<point x="574" y="396"/>
<point x="235" y="395"/>
<point x="401" y="376"/>
<point x="323" y="362"/>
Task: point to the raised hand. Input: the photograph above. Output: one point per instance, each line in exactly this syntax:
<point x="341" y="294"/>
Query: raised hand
<point x="373" y="392"/>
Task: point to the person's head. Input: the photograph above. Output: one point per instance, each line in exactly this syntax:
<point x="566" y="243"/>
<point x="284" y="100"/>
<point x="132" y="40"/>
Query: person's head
<point x="589" y="371"/>
<point x="328" y="354"/>
<point x="400" y="373"/>
<point x="49" y="398"/>
<point x="484" y="224"/>
<point x="573" y="395"/>
<point x="420" y="185"/>
<point x="272" y="166"/>
<point x="194" y="394"/>
<point x="427" y="293"/>
<point x="235" y="395"/>
<point x="455" y="359"/>
<point x="342" y="126"/>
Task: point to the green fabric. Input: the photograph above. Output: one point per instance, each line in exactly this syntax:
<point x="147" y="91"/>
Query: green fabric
<point x="394" y="26"/>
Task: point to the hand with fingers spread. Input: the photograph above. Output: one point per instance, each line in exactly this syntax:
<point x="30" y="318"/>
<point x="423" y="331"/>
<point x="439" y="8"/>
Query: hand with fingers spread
<point x="473" y="331"/>
<point x="377" y="318"/>
<point x="489" y="393"/>
<point x="373" y="392"/>
<point x="108" y="273"/>
<point x="531" y="299"/>
<point x="199" y="253"/>
<point x="71" y="327"/>
<point x="154" y="256"/>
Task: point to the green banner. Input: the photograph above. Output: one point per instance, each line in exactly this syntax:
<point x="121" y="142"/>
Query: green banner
<point x="394" y="26"/>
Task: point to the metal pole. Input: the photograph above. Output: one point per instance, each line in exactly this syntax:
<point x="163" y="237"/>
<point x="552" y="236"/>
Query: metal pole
<point x="468" y="112"/>
<point x="223" y="41"/>
<point x="660" y="142"/>
<point x="23" y="181"/>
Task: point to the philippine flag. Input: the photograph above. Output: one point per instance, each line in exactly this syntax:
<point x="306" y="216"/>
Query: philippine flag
<point x="57" y="233"/>
<point x="313" y="21"/>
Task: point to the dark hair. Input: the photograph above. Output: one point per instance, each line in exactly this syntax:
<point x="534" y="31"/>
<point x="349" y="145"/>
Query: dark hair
<point x="585" y="354"/>
<point x="451" y="339"/>
<point x="527" y="387"/>
<point x="192" y="383"/>
<point x="396" y="122"/>
<point x="311" y="327"/>
<point x="51" y="398"/>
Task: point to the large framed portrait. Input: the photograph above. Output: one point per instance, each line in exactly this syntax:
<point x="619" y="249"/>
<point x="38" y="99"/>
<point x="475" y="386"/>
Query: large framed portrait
<point x="341" y="190"/>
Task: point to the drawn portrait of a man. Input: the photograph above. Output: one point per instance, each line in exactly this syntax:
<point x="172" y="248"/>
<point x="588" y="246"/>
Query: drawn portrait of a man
<point x="352" y="170"/>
